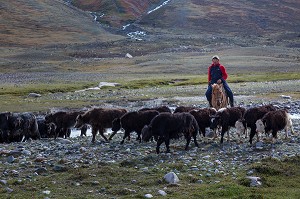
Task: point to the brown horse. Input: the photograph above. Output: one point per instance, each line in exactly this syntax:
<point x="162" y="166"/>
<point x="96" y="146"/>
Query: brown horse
<point x="219" y="96"/>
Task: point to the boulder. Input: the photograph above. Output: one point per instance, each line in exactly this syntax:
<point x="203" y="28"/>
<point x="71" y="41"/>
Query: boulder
<point x="171" y="178"/>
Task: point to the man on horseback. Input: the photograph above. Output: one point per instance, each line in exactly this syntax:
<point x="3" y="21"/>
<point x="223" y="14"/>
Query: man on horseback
<point x="217" y="74"/>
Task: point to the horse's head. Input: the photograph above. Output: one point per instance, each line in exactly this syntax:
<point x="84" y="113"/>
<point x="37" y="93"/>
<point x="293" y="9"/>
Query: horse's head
<point x="217" y="91"/>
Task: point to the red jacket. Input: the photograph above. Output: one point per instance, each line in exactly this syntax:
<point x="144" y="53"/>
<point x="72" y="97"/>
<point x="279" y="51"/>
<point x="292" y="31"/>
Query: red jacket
<point x="222" y="68"/>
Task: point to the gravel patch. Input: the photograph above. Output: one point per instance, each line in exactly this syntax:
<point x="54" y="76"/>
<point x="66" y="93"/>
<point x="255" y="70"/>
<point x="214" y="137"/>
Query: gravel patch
<point x="26" y="160"/>
<point x="48" y="77"/>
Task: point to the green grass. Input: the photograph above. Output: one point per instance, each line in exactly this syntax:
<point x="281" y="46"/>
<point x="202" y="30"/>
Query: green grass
<point x="24" y="104"/>
<point x="175" y="80"/>
<point x="263" y="77"/>
<point x="281" y="179"/>
<point x="25" y="89"/>
<point x="15" y="97"/>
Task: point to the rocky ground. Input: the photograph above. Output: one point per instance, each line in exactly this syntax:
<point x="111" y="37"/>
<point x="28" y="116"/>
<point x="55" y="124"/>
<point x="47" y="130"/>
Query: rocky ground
<point x="21" y="162"/>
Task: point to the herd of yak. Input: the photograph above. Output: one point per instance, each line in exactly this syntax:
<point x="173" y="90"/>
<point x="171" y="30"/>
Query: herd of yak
<point x="159" y="123"/>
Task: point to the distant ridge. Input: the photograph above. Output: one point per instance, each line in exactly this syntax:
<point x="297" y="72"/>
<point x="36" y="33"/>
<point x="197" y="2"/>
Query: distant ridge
<point x="44" y="22"/>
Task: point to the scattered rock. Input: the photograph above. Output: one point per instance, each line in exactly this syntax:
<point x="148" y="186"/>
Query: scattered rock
<point x="40" y="159"/>
<point x="82" y="150"/>
<point x="34" y="95"/>
<point x="286" y="97"/>
<point x="259" y="145"/>
<point x="3" y="182"/>
<point x="148" y="195"/>
<point x="63" y="141"/>
<point x="15" y="152"/>
<point x="47" y="192"/>
<point x="171" y="178"/>
<point x="218" y="162"/>
<point x="41" y="170"/>
<point x="255" y="181"/>
<point x="128" y="56"/>
<point x="95" y="183"/>
<point x="9" y="190"/>
<point x="161" y="192"/>
<point x="26" y="152"/>
<point x="10" y="159"/>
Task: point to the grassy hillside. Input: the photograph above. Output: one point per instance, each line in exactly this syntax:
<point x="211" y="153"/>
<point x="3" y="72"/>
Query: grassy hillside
<point x="180" y="37"/>
<point x="42" y="22"/>
<point x="261" y="21"/>
<point x="272" y="21"/>
<point x="245" y="17"/>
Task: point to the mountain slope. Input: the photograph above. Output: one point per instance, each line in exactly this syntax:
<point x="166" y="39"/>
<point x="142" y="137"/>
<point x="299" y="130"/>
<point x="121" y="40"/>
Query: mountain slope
<point x="240" y="18"/>
<point x="116" y="12"/>
<point x="35" y="22"/>
<point x="51" y="35"/>
<point x="260" y="22"/>
<point x="40" y="22"/>
<point x="233" y="17"/>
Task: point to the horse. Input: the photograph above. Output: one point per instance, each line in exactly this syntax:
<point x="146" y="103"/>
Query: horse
<point x="219" y="96"/>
